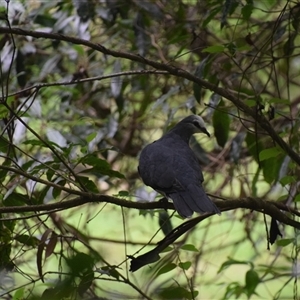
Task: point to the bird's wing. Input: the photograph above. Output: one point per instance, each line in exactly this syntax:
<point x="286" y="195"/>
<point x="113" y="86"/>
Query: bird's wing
<point x="171" y="167"/>
<point x="191" y="197"/>
<point x="156" y="167"/>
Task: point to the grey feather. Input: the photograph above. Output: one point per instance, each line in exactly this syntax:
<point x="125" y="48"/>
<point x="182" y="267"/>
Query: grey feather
<point x="169" y="166"/>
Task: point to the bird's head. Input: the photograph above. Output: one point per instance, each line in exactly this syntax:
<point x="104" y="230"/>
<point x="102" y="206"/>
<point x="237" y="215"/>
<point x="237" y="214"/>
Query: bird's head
<point x="193" y="124"/>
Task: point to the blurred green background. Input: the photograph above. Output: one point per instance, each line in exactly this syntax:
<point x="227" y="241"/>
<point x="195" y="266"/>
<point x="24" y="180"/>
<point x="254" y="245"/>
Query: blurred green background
<point x="75" y="117"/>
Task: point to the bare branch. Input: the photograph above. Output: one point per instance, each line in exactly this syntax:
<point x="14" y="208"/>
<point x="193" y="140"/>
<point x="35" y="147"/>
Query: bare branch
<point x="268" y="207"/>
<point x="261" y="120"/>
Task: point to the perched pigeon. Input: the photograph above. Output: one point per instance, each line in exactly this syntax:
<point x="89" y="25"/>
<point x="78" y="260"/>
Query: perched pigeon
<point x="170" y="167"/>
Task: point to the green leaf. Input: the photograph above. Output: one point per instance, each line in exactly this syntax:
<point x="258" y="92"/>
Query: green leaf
<point x="214" y="49"/>
<point x="233" y="289"/>
<point x="230" y="262"/>
<point x="211" y="15"/>
<point x="85" y="282"/>
<point x="287" y="180"/>
<point x="247" y="10"/>
<point x="16" y="199"/>
<point x="250" y="102"/>
<point x="4" y="112"/>
<point x="123" y="194"/>
<point x="42" y="167"/>
<point x="177" y="292"/>
<point x="268" y="153"/>
<point x="168" y="249"/>
<point x="99" y="173"/>
<point x="4" y="145"/>
<point x="5" y="260"/>
<point x="221" y="123"/>
<point x="166" y="268"/>
<point x="278" y="100"/>
<point x="89" y="184"/>
<point x="27" y="240"/>
<point x="254" y="145"/>
<point x="3" y="174"/>
<point x="199" y="73"/>
<point x="27" y="165"/>
<point x="231" y="48"/>
<point x="284" y="242"/>
<point x="50" y="173"/>
<point x="91" y="136"/>
<point x="297" y="198"/>
<point x="282" y="198"/>
<point x="5" y="233"/>
<point x="189" y="247"/>
<point x="271" y="168"/>
<point x="79" y="49"/>
<point x="80" y="263"/>
<point x="197" y="92"/>
<point x="289" y="45"/>
<point x="100" y="166"/>
<point x="9" y="224"/>
<point x="19" y="294"/>
<point x="56" y="191"/>
<point x="39" y="143"/>
<point x="40" y="195"/>
<point x="45" y="20"/>
<point x="185" y="265"/>
<point x="252" y="280"/>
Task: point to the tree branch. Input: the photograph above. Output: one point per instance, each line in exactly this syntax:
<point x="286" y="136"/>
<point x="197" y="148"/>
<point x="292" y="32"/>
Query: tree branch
<point x="261" y="120"/>
<point x="153" y="255"/>
<point x="270" y="208"/>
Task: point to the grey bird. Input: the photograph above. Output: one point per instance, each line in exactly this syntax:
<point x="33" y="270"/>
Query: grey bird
<point x="169" y="166"/>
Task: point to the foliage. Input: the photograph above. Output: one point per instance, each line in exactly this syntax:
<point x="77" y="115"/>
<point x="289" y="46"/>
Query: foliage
<point x="85" y="85"/>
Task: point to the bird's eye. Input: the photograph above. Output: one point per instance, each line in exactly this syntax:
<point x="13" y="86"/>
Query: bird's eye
<point x="196" y="124"/>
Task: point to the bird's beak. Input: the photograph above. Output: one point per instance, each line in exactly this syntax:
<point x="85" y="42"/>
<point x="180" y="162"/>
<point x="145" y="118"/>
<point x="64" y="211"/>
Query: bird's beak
<point x="205" y="131"/>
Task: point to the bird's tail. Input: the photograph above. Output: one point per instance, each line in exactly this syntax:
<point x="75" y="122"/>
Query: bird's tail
<point x="193" y="199"/>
